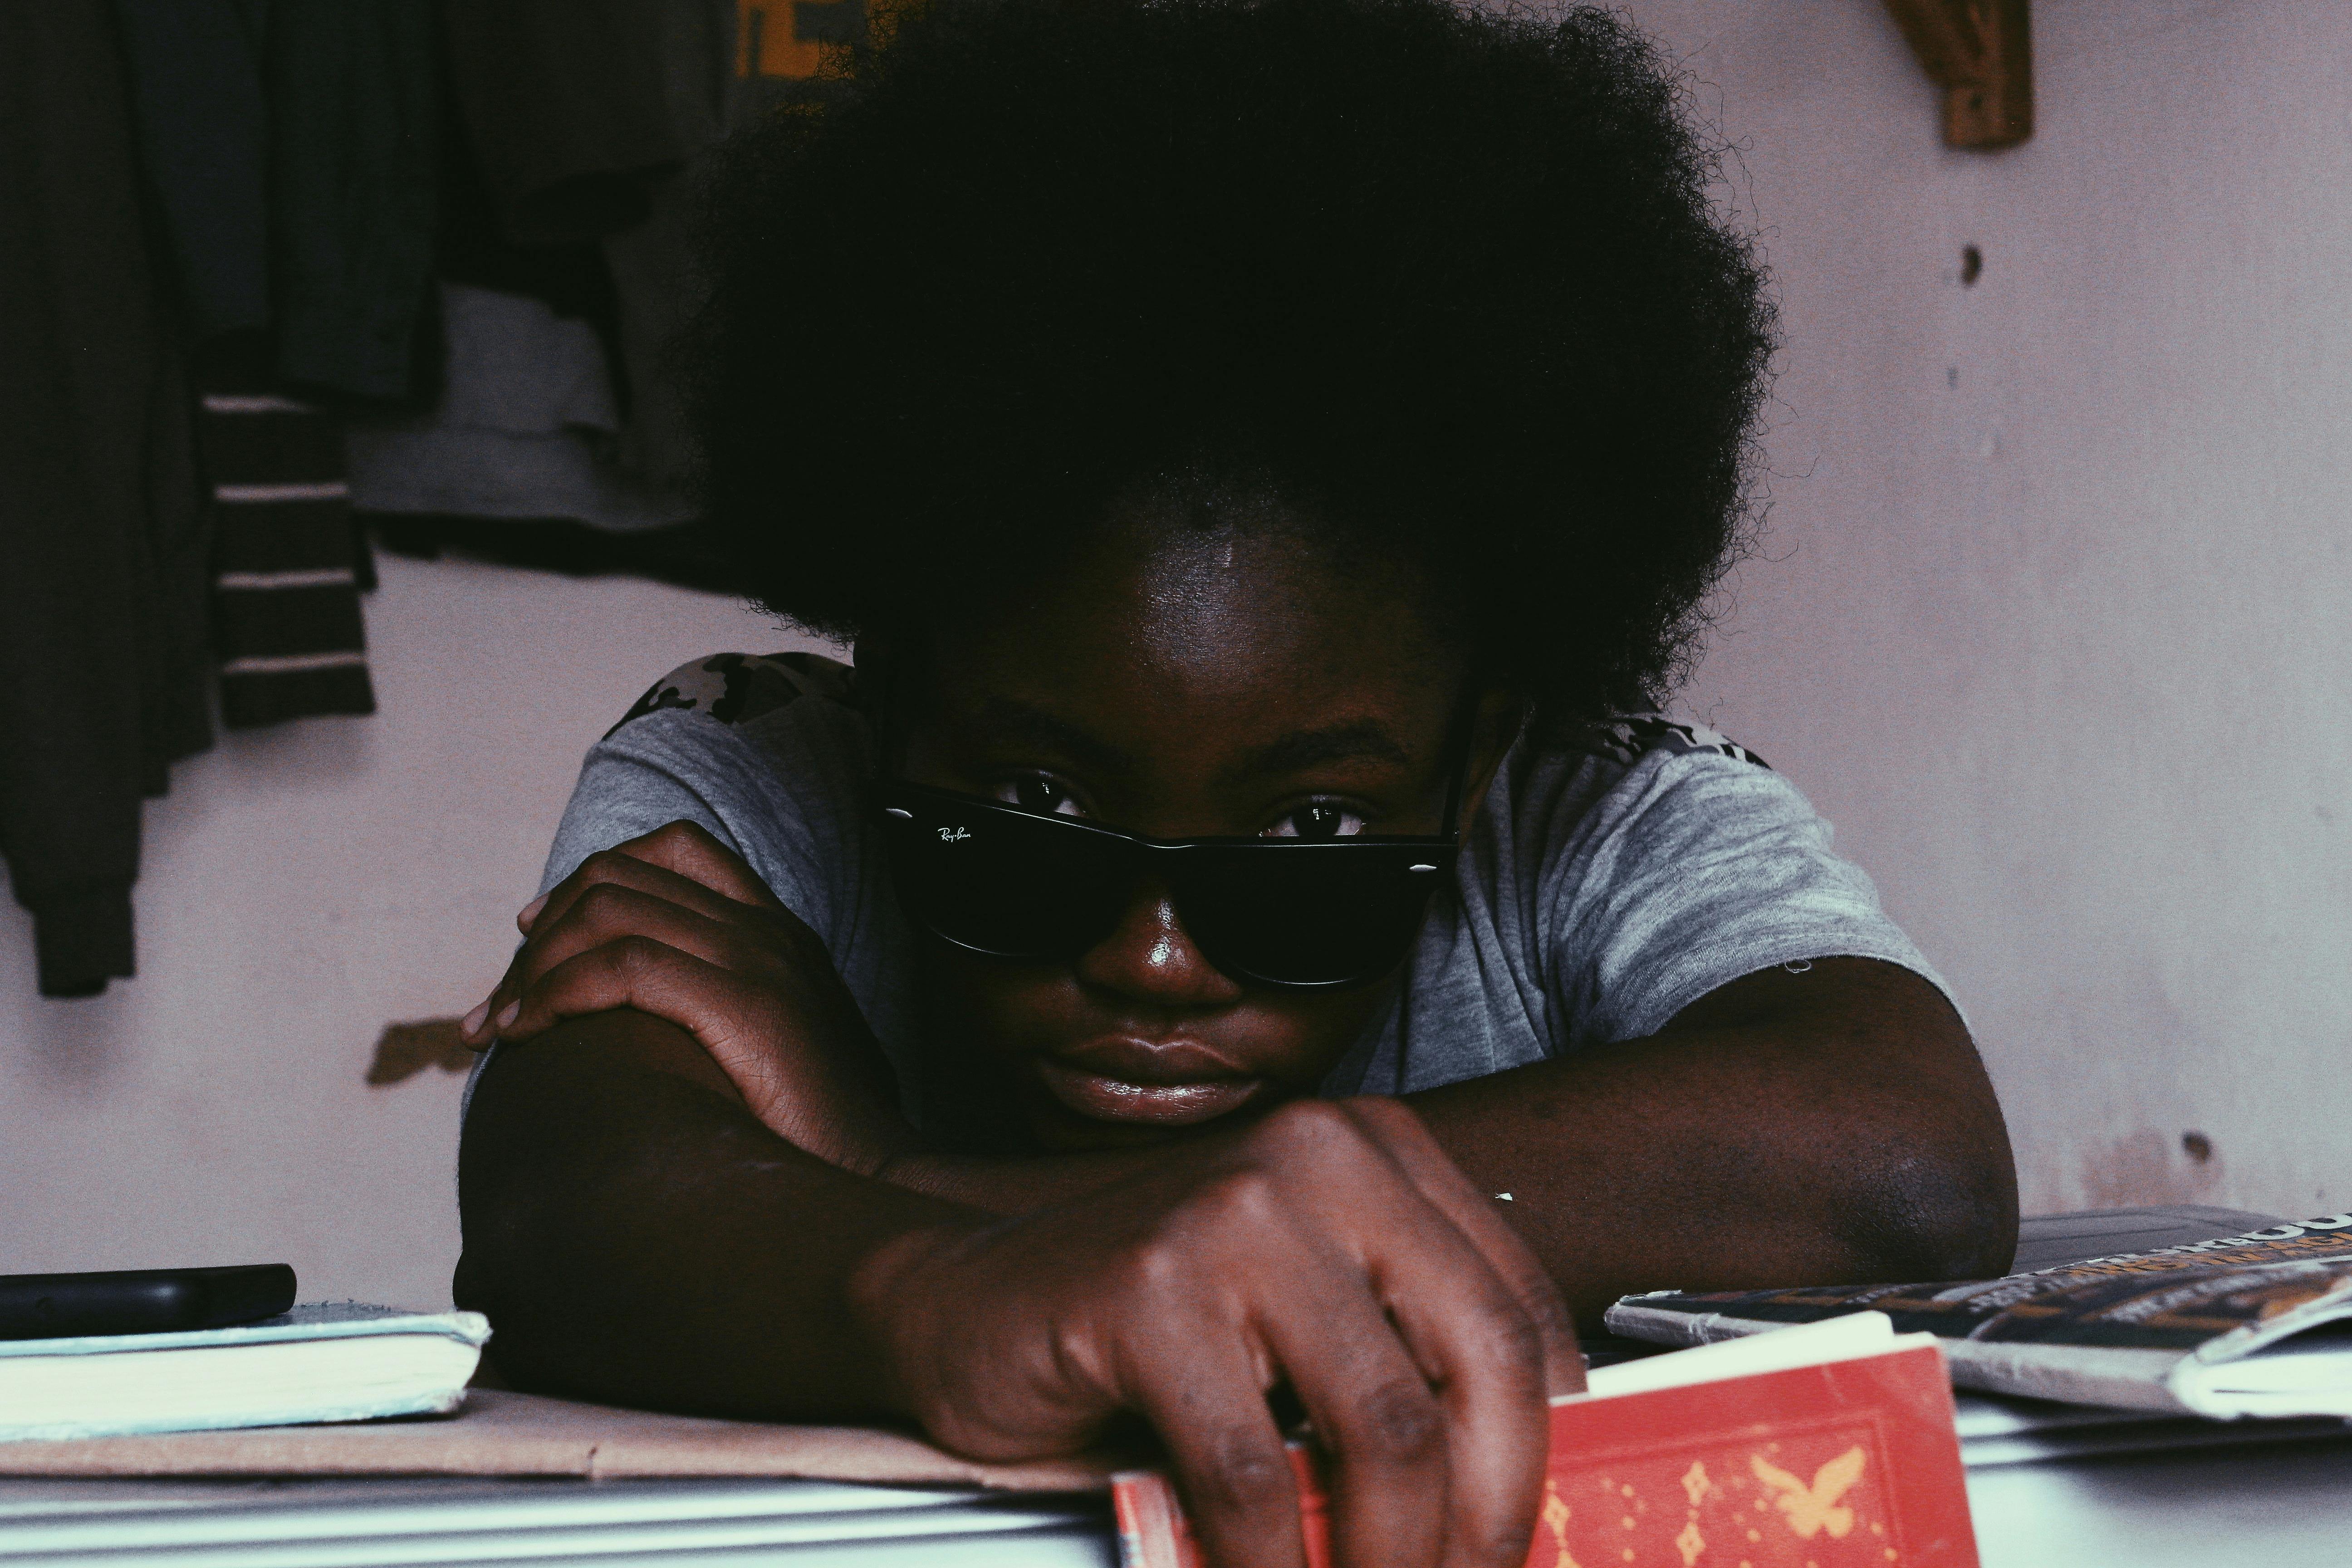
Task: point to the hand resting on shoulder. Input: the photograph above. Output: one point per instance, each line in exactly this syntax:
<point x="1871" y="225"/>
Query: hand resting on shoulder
<point x="674" y="925"/>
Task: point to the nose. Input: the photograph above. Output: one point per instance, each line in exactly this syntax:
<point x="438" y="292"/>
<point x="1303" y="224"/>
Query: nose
<point x="1150" y="958"/>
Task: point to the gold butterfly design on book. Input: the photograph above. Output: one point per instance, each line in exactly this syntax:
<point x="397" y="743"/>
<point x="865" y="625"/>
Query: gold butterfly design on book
<point x="1813" y="1508"/>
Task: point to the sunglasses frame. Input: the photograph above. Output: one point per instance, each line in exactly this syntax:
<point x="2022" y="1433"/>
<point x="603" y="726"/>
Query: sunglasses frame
<point x="908" y="811"/>
<point x="911" y="810"/>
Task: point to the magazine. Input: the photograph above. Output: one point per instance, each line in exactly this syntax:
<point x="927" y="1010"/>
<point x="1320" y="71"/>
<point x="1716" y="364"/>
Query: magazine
<point x="2254" y="1324"/>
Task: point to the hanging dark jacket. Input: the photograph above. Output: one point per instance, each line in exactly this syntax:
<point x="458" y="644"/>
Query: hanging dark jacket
<point x="102" y="540"/>
<point x="289" y="147"/>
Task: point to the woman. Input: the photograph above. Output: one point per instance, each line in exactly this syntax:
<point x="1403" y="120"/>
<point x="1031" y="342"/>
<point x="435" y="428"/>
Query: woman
<point x="1236" y="944"/>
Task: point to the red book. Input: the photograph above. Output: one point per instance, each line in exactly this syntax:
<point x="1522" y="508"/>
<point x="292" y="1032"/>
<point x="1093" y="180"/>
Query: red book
<point x="1833" y="1449"/>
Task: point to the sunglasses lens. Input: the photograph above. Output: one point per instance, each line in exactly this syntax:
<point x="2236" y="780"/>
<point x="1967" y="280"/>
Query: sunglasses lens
<point x="1300" y="916"/>
<point x="1000" y="883"/>
<point x="1007" y="883"/>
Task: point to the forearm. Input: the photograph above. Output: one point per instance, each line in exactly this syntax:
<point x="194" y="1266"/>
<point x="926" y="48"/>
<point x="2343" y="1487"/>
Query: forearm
<point x="637" y="1236"/>
<point x="1822" y="1128"/>
<point x="1788" y="1128"/>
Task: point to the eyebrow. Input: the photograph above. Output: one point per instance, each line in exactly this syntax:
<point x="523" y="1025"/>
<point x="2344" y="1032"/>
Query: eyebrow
<point x="1361" y="740"/>
<point x="1006" y="718"/>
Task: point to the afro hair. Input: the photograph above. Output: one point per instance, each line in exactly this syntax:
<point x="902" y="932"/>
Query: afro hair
<point x="1450" y="280"/>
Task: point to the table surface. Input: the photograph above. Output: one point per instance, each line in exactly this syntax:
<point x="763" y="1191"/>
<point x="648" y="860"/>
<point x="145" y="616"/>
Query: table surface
<point x="323" y="1523"/>
<point x="2252" y="1502"/>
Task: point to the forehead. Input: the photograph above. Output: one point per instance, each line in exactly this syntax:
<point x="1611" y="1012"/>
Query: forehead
<point x="1164" y="631"/>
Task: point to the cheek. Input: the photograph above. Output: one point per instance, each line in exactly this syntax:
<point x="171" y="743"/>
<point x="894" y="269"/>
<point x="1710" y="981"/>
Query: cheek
<point x="1005" y="1011"/>
<point x="1316" y="1029"/>
<point x="1012" y="1013"/>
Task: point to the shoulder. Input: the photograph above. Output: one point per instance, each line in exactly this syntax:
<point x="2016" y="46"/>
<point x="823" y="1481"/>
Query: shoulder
<point x="1563" y="786"/>
<point x="1649" y="805"/>
<point x="1596" y="844"/>
<point x="1632" y="738"/>
<point x="768" y="752"/>
<point x="765" y="745"/>
<point x="773" y="748"/>
<point x="772" y="754"/>
<point x="1663" y="859"/>
<point x="736" y="689"/>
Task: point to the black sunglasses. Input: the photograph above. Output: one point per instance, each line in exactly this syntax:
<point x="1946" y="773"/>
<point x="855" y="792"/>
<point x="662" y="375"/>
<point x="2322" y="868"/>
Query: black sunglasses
<point x="1308" y="914"/>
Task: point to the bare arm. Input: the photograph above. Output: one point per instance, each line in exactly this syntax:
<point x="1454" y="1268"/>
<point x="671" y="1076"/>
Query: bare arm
<point x="1826" y="1126"/>
<point x="638" y="1237"/>
<point x="1787" y="1128"/>
<point x="683" y="1186"/>
<point x="638" y="1234"/>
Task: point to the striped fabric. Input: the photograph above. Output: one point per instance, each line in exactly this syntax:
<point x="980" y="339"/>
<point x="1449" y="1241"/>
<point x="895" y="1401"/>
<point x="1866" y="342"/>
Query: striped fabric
<point x="286" y="609"/>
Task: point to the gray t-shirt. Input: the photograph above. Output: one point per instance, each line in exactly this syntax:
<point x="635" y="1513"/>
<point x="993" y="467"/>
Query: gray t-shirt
<point x="1603" y="888"/>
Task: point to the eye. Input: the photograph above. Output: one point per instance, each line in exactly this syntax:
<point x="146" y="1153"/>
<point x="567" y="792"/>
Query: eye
<point x="1036" y="792"/>
<point x="1317" y="819"/>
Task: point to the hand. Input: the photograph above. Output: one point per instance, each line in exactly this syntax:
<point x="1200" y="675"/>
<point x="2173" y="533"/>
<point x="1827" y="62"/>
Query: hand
<point x="676" y="925"/>
<point x="1330" y="1247"/>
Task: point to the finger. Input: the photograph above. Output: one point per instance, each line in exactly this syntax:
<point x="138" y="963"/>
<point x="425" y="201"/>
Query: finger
<point x="1386" y="1434"/>
<point x="695" y="852"/>
<point x="717" y="1007"/>
<point x="1407" y="1141"/>
<point x="1466" y="1332"/>
<point x="690" y="850"/>
<point x="681" y="861"/>
<point x="601" y="913"/>
<point x="841" y="1106"/>
<point x="609" y="911"/>
<point x="480" y="1028"/>
<point x="622" y="867"/>
<point x="1471" y="1330"/>
<point x="605" y="869"/>
<point x="1464" y="1327"/>
<point x="1227" y="1458"/>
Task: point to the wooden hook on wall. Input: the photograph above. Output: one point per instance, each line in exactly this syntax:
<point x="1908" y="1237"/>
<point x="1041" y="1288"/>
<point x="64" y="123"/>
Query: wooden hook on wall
<point x="1981" y="53"/>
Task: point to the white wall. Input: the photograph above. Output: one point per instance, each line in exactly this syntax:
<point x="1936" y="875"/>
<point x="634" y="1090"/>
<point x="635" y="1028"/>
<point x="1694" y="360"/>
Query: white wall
<point x="2061" y="648"/>
<point x="2051" y="617"/>
<point x="304" y="887"/>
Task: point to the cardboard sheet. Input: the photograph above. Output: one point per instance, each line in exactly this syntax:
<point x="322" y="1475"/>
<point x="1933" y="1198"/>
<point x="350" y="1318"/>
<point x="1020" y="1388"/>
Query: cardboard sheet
<point x="500" y="1433"/>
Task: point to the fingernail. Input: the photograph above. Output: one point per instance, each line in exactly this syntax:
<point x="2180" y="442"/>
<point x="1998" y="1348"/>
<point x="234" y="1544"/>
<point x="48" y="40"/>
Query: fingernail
<point x="508" y="1014"/>
<point x="530" y="911"/>
<point x="473" y="1023"/>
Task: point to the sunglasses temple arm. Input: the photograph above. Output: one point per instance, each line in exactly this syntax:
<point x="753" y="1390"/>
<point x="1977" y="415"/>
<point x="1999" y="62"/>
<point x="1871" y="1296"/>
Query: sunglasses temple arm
<point x="885" y="662"/>
<point x="1458" y="746"/>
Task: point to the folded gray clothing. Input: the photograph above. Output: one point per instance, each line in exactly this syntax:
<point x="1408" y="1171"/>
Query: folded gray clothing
<point x="527" y="427"/>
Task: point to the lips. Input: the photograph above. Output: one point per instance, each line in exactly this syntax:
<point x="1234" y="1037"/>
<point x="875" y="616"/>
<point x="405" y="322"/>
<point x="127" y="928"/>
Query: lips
<point x="1172" y="1085"/>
